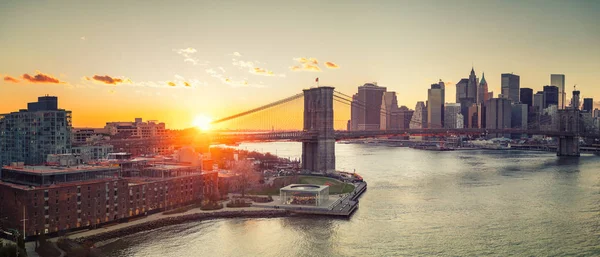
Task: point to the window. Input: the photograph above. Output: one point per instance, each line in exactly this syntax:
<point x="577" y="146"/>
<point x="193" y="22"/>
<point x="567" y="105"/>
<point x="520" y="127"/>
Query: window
<point x="46" y="193"/>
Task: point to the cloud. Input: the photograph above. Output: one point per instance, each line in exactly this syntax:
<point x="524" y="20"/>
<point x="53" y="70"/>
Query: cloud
<point x="11" y="79"/>
<point x="307" y="60"/>
<point x="187" y="54"/>
<point x="171" y="83"/>
<point x="306" y="64"/>
<point x="41" y="78"/>
<point x="237" y="54"/>
<point x="331" y="65"/>
<point x="261" y="71"/>
<point x="187" y="84"/>
<point x="306" y="67"/>
<point x="107" y="79"/>
<point x="83" y="38"/>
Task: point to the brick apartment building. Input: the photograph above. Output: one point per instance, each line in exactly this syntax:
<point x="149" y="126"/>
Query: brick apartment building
<point x="56" y="199"/>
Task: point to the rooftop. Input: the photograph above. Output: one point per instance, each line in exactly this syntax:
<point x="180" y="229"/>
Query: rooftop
<point x="304" y="187"/>
<point x="54" y="170"/>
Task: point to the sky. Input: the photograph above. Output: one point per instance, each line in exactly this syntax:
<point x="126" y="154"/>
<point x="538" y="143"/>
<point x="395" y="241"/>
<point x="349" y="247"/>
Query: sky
<point x="175" y="60"/>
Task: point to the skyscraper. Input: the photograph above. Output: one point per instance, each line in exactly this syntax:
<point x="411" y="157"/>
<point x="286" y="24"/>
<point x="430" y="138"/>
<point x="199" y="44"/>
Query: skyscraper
<point x="451" y="114"/>
<point x="510" y="86"/>
<point x="389" y="105"/>
<point x="558" y="80"/>
<point x="575" y="103"/>
<point x="472" y="86"/>
<point x="588" y="105"/>
<point x="498" y="115"/>
<point x="355" y="113"/>
<point x="550" y="96"/>
<point x="539" y="101"/>
<point x="519" y="116"/>
<point x="461" y="89"/>
<point x="30" y="135"/>
<point x="403" y="117"/>
<point x="482" y="91"/>
<point x="435" y="105"/>
<point x="526" y="96"/>
<point x="370" y="97"/>
<point x="419" y="117"/>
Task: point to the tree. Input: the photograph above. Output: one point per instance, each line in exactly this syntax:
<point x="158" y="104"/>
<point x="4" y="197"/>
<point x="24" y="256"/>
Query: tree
<point x="245" y="175"/>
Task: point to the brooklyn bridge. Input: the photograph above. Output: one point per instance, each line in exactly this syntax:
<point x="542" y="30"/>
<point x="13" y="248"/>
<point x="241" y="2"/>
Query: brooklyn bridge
<point x="312" y="112"/>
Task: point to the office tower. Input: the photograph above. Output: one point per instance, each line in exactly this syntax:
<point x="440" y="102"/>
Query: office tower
<point x="355" y="112"/>
<point x="588" y="105"/>
<point x="403" y="116"/>
<point x="597" y="113"/>
<point x="519" y="116"/>
<point x="550" y="96"/>
<point x="472" y="86"/>
<point x="482" y="91"/>
<point x="575" y="104"/>
<point x="369" y="111"/>
<point x="510" y="86"/>
<point x="526" y="96"/>
<point x="461" y="89"/>
<point x="435" y="105"/>
<point x="498" y="115"/>
<point x="419" y="118"/>
<point x="451" y="114"/>
<point x="539" y="101"/>
<point x="31" y="134"/>
<point x="473" y="116"/>
<point x="558" y="80"/>
<point x="389" y="105"/>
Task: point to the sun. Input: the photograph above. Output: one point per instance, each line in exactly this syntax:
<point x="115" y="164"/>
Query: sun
<point x="202" y="122"/>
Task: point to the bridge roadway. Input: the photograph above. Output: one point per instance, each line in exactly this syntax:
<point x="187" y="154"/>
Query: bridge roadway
<point x="234" y="137"/>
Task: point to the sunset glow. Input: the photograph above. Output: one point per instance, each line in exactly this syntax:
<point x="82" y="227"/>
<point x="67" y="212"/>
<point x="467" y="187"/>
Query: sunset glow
<point x="202" y="122"/>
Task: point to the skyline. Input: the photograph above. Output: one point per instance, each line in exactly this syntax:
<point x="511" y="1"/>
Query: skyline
<point x="120" y="62"/>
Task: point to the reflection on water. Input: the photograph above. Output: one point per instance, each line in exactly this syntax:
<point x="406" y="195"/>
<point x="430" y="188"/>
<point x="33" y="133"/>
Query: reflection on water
<point x="418" y="203"/>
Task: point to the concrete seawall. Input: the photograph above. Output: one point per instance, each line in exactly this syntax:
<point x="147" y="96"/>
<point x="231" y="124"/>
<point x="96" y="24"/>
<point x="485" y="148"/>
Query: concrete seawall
<point x="179" y="220"/>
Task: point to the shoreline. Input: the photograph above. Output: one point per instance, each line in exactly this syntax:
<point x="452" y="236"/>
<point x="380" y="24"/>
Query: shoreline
<point x="102" y="236"/>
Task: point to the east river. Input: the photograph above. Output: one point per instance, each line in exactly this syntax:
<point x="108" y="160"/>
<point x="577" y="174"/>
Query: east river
<point x="419" y="203"/>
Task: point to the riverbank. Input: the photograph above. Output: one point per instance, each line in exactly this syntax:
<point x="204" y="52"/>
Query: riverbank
<point x="120" y="231"/>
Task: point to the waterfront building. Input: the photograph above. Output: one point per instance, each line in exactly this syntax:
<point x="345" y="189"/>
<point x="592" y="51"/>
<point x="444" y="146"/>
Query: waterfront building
<point x="558" y="80"/>
<point x="136" y="129"/>
<point x="389" y="107"/>
<point x="451" y="114"/>
<point x="526" y="96"/>
<point x="550" y="96"/>
<point x="57" y="199"/>
<point x="402" y="118"/>
<point x="355" y="112"/>
<point x="519" y="116"/>
<point x="435" y="105"/>
<point x="304" y="194"/>
<point x="370" y="97"/>
<point x="29" y="135"/>
<point x="511" y="87"/>
<point x="498" y="115"/>
<point x="588" y="105"/>
<point x="419" y="117"/>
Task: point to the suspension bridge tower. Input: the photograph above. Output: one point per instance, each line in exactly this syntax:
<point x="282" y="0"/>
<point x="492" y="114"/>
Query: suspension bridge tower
<point x="569" y="122"/>
<point x="318" y="150"/>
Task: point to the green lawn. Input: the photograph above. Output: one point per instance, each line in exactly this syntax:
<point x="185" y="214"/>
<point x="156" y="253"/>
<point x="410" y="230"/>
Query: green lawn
<point x="335" y="186"/>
